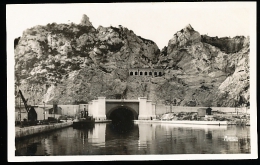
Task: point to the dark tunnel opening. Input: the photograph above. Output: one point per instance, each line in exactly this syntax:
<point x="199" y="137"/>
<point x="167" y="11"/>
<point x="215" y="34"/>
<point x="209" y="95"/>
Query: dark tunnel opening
<point x="122" y="119"/>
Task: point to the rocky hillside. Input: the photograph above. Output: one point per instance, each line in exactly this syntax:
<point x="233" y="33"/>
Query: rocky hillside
<point x="75" y="63"/>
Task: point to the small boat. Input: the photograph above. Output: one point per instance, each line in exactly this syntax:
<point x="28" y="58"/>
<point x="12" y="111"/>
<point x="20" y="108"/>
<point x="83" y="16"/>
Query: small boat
<point x="84" y="122"/>
<point x="84" y="119"/>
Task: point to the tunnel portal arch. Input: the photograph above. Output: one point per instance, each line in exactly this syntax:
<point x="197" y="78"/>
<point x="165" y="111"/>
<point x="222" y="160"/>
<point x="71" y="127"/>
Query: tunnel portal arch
<point x="133" y="110"/>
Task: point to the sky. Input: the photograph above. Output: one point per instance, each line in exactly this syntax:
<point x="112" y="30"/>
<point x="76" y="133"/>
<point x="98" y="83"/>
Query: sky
<point x="154" y="21"/>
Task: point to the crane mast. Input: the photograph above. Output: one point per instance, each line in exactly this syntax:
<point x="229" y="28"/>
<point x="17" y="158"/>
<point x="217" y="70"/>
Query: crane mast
<point x="24" y="101"/>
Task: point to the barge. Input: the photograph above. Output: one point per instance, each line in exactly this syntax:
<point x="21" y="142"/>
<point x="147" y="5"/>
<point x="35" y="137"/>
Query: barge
<point x="84" y="122"/>
<point x="84" y="119"/>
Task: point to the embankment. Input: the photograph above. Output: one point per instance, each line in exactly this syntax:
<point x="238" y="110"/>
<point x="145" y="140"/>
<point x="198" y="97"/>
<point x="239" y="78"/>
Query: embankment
<point x="184" y="122"/>
<point x="32" y="130"/>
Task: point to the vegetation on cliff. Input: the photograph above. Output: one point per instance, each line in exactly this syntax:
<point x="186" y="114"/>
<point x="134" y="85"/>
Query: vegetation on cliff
<point x="73" y="63"/>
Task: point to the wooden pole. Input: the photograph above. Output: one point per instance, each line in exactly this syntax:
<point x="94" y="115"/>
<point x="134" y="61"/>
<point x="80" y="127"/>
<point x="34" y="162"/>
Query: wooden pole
<point x="171" y="102"/>
<point x="44" y="112"/>
<point x="20" y="109"/>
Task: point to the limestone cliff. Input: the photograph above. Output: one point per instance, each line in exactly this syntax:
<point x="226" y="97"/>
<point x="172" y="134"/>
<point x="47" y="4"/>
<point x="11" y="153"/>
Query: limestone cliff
<point x="73" y="63"/>
<point x="206" y="71"/>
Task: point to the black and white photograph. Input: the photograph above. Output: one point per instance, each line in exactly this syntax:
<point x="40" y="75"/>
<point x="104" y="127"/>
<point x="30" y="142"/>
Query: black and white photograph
<point x="131" y="81"/>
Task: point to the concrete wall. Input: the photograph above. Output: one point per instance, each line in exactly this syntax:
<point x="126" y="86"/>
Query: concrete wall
<point x="69" y="110"/>
<point x="160" y="109"/>
<point x="40" y="114"/>
<point x="222" y="109"/>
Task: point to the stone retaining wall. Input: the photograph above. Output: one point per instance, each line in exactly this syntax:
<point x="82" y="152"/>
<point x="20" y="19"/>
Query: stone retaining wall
<point x="27" y="131"/>
<point x="161" y="109"/>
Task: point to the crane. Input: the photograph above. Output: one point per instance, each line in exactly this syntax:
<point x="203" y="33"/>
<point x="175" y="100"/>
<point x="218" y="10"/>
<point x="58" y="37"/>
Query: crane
<point x="27" y="108"/>
<point x="32" y="115"/>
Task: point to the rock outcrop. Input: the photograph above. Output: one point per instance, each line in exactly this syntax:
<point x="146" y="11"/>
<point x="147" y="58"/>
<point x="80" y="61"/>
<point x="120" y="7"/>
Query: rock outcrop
<point x="72" y="63"/>
<point x="85" y="21"/>
<point x="209" y="74"/>
<point x="225" y="44"/>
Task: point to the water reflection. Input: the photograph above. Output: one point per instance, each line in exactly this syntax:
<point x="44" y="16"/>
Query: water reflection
<point x="131" y="139"/>
<point x="146" y="135"/>
<point x="47" y="147"/>
<point x="209" y="135"/>
<point x="97" y="136"/>
<point x="121" y="128"/>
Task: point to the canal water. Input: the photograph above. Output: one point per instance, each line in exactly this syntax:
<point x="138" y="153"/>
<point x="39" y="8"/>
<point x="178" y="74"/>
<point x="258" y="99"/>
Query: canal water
<point x="138" y="139"/>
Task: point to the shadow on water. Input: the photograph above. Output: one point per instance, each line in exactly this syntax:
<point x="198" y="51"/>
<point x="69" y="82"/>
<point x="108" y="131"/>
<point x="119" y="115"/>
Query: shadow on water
<point x="86" y="127"/>
<point x="30" y="150"/>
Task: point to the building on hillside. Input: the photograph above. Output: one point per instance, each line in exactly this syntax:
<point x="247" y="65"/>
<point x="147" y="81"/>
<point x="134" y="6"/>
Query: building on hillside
<point x="145" y="72"/>
<point x="56" y="110"/>
<point x="202" y="112"/>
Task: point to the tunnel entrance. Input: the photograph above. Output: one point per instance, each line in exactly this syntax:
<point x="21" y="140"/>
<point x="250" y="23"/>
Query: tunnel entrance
<point x="122" y="119"/>
<point x="122" y="114"/>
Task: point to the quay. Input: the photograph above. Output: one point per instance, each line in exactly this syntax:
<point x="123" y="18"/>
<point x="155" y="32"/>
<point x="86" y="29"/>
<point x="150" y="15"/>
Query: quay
<point x="184" y="122"/>
<point x="32" y="130"/>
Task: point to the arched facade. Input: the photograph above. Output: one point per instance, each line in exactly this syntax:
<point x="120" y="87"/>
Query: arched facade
<point x="101" y="109"/>
<point x="132" y="109"/>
